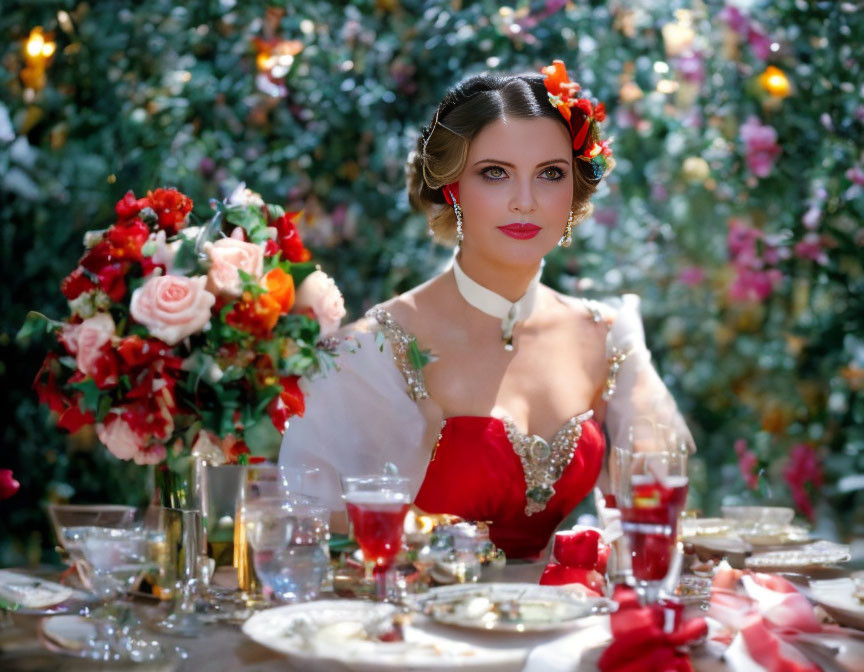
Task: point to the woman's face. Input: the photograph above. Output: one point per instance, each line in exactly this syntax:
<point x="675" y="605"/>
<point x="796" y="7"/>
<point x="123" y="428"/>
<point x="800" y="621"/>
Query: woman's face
<point x="516" y="190"/>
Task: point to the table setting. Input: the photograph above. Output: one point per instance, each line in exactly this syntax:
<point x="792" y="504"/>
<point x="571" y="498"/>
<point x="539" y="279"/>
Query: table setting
<point x="645" y="586"/>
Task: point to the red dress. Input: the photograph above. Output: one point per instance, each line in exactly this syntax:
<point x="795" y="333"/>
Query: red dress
<point x="476" y="473"/>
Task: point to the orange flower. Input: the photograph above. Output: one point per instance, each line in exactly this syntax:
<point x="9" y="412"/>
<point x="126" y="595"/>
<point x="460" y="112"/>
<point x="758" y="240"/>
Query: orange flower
<point x="266" y="311"/>
<point x="280" y="286"/>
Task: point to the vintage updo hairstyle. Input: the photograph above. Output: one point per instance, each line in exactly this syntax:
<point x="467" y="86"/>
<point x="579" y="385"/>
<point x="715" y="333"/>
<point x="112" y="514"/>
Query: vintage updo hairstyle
<point x="442" y="148"/>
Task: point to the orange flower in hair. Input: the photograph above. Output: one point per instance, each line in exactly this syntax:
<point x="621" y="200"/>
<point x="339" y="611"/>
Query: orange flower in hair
<point x="563" y="96"/>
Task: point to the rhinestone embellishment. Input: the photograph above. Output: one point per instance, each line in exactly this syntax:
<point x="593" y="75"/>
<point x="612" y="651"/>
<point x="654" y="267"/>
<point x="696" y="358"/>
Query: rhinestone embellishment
<point x="400" y="341"/>
<point x="616" y="359"/>
<point x="542" y="462"/>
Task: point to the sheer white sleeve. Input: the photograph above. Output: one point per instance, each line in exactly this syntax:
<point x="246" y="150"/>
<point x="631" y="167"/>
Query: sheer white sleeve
<point x="357" y="419"/>
<point x="636" y="396"/>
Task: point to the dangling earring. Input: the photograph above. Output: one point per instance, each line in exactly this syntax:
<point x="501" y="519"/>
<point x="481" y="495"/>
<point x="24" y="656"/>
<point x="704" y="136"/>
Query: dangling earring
<point x="567" y="238"/>
<point x="458" y="210"/>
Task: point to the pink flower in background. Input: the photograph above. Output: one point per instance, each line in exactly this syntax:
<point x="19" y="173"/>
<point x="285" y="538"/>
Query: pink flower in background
<point x="760" y="142"/>
<point x="759" y="42"/>
<point x="810" y="247"/>
<point x="691" y="276"/>
<point x="803" y="468"/>
<point x="856" y="175"/>
<point x="748" y="464"/>
<point x="8" y="485"/>
<point x="811" y="218"/>
<point x="741" y="240"/>
<point x="754" y="285"/>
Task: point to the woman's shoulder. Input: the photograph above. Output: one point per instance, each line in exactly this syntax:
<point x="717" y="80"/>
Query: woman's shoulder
<point x="580" y="309"/>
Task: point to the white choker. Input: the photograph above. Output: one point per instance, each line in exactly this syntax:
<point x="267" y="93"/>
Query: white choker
<point x="493" y="304"/>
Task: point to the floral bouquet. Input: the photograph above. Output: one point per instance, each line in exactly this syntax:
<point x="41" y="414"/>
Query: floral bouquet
<point x="189" y="339"/>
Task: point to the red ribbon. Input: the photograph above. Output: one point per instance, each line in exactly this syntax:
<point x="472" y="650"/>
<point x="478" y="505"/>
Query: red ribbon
<point x="643" y="639"/>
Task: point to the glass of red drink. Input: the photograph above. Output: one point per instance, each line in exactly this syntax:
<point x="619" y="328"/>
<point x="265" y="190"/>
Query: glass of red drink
<point x="652" y="491"/>
<point x="377" y="505"/>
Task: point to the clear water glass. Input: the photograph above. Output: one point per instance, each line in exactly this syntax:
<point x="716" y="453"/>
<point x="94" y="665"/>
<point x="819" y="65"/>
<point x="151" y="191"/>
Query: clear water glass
<point x="289" y="539"/>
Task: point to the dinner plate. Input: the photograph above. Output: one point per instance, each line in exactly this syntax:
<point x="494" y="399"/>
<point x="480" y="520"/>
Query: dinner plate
<point x="33" y="596"/>
<point x="334" y="635"/>
<point x="839" y="598"/>
<point x="817" y="554"/>
<point x="511" y="607"/>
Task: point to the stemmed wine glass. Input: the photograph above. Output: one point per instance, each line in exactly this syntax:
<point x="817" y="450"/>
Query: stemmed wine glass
<point x="650" y="483"/>
<point x="377" y="505"/>
<point x="114" y="558"/>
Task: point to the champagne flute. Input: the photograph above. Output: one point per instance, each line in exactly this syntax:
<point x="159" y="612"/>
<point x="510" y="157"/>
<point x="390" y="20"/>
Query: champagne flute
<point x="377" y="505"/>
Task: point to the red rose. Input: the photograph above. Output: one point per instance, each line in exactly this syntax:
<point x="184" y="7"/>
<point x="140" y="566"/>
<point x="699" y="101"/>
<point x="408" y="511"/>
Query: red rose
<point x="128" y="207"/>
<point x="46" y="386"/>
<point x="135" y="351"/>
<point x="128" y="238"/>
<point x="289" y="238"/>
<point x="171" y="207"/>
<point x="75" y="284"/>
<point x="112" y="281"/>
<point x="271" y="247"/>
<point x="73" y="418"/>
<point x="287" y="404"/>
<point x="98" y="256"/>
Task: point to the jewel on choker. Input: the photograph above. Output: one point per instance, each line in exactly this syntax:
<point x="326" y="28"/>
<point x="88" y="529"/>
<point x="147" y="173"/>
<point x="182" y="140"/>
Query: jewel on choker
<point x="487" y="301"/>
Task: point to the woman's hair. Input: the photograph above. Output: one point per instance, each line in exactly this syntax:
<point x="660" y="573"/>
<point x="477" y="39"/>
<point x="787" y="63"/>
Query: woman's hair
<point x="468" y="107"/>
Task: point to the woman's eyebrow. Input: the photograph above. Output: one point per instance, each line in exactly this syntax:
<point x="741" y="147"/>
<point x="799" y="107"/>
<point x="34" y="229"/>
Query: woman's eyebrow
<point x="510" y="165"/>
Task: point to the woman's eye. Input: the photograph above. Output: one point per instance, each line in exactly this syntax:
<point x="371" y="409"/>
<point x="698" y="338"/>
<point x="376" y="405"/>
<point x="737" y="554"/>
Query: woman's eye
<point x="495" y="172"/>
<point x="553" y="174"/>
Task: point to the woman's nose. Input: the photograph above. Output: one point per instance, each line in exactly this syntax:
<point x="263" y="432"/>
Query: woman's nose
<point x="522" y="199"/>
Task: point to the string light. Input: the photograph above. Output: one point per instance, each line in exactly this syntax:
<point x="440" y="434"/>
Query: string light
<point x="775" y="82"/>
<point x="38" y="50"/>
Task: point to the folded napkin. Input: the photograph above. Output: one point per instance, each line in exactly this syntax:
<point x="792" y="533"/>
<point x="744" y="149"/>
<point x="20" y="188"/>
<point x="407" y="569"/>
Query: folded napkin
<point x="762" y="615"/>
<point x="22" y="591"/>
<point x="650" y="638"/>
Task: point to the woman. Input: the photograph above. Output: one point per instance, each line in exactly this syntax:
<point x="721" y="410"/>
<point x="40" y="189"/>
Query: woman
<point x="504" y="420"/>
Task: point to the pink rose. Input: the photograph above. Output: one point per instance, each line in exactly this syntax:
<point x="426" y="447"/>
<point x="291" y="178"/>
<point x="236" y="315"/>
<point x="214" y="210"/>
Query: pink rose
<point x="172" y="307"/>
<point x="118" y="437"/>
<point x="760" y="142"/>
<point x="93" y="334"/>
<point x="319" y="295"/>
<point x="125" y="444"/>
<point x="227" y="257"/>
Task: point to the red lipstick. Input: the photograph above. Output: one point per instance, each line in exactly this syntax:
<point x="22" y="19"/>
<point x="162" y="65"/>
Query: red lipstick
<point x="520" y="230"/>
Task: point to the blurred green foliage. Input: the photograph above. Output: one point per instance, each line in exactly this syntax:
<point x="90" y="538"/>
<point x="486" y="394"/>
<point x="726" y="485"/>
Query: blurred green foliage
<point x="158" y="93"/>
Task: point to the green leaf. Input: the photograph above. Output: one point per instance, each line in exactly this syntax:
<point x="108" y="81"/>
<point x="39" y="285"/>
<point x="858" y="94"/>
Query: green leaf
<point x="186" y="260"/>
<point x="104" y="407"/>
<point x="250" y="284"/>
<point x="90" y="394"/>
<point x="35" y="325"/>
<point x="301" y="271"/>
<point x="263" y="438"/>
<point x="417" y="357"/>
<point x="275" y="211"/>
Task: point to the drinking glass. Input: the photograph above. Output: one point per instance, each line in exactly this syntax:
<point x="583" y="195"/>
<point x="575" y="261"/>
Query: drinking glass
<point x="115" y="557"/>
<point x="377" y="505"/>
<point x="651" y="485"/>
<point x="289" y="539"/>
<point x="70" y="520"/>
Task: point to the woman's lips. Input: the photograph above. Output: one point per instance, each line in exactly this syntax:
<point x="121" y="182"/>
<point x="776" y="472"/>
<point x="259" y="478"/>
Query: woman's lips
<point x="520" y="231"/>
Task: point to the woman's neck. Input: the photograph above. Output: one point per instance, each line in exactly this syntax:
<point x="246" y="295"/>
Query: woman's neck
<point x="511" y="282"/>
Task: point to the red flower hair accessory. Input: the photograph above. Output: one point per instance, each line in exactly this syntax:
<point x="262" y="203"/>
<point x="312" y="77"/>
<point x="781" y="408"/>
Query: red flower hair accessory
<point x="581" y="115"/>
